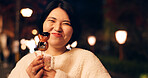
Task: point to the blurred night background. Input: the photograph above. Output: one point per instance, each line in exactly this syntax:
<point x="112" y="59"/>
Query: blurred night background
<point x="99" y="18"/>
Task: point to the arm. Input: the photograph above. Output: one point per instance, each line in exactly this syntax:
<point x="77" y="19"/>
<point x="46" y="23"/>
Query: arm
<point x="20" y="69"/>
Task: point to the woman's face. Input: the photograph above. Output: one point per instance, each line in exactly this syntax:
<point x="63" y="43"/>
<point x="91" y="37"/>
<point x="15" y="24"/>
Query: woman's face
<point x="58" y="25"/>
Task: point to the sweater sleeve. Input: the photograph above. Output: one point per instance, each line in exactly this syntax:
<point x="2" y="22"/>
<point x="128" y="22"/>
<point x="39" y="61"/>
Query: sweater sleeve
<point x="93" y="67"/>
<point x="19" y="70"/>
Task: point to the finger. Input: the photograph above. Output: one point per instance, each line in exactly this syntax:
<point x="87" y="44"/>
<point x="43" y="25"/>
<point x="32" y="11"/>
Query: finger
<point x="38" y="54"/>
<point x="37" y="67"/>
<point x="31" y="70"/>
<point x="45" y="73"/>
<point x="46" y="68"/>
<point x="30" y="74"/>
<point x="35" y="70"/>
<point x="50" y="73"/>
<point x="37" y="61"/>
<point x="40" y="57"/>
<point x="45" y="77"/>
<point x="40" y="73"/>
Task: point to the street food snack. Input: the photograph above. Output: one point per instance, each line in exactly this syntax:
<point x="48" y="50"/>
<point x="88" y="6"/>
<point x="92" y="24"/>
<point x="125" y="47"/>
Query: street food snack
<point x="43" y="44"/>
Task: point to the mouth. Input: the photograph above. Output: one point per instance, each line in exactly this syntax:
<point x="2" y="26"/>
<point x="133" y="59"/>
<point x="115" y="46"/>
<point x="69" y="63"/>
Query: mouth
<point x="57" y="34"/>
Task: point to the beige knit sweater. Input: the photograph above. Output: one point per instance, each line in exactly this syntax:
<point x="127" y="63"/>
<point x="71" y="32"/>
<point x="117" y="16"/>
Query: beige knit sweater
<point x="76" y="63"/>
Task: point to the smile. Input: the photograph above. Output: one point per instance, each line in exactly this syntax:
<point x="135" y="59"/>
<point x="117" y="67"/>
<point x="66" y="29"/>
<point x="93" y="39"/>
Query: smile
<point x="57" y="34"/>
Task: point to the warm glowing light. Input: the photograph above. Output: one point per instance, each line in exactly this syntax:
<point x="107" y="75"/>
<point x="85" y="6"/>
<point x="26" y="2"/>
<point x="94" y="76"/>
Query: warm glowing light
<point x="74" y="44"/>
<point x="23" y="47"/>
<point x="6" y="53"/>
<point x="26" y="12"/>
<point x="15" y="46"/>
<point x="36" y="39"/>
<point x="22" y="41"/>
<point x="91" y="40"/>
<point x="3" y="40"/>
<point x="34" y="31"/>
<point x="68" y="47"/>
<point x="121" y="36"/>
<point x="31" y="45"/>
<point x="1" y="23"/>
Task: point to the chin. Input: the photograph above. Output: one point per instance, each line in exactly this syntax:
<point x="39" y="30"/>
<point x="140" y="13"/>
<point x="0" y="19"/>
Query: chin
<point x="57" y="44"/>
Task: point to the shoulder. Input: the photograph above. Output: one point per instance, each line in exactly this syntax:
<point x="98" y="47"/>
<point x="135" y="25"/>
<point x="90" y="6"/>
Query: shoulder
<point x="84" y="55"/>
<point x="80" y="50"/>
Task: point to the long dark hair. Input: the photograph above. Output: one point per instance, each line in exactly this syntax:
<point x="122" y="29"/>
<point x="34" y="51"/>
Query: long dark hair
<point x="73" y="16"/>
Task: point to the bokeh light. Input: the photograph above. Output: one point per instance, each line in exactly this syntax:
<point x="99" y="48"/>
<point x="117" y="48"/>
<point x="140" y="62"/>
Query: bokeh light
<point x="23" y="47"/>
<point x="74" y="44"/>
<point x="91" y="40"/>
<point x="36" y="39"/>
<point x="26" y="12"/>
<point x="68" y="47"/>
<point x="34" y="32"/>
<point x="30" y="44"/>
<point x="121" y="36"/>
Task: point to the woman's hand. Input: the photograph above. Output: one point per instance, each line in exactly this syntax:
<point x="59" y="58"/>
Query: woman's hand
<point x="35" y="69"/>
<point x="49" y="74"/>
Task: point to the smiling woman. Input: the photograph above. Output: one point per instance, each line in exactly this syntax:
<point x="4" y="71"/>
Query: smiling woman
<point x="58" y="25"/>
<point x="60" y="21"/>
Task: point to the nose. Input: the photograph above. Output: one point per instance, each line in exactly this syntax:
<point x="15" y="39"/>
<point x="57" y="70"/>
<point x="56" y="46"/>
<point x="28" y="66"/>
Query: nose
<point x="57" y="27"/>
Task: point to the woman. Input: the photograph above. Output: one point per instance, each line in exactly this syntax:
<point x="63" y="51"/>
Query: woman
<point x="60" y="21"/>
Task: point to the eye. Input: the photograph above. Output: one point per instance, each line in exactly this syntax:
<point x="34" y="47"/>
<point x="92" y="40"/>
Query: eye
<point x="69" y="24"/>
<point x="53" y="21"/>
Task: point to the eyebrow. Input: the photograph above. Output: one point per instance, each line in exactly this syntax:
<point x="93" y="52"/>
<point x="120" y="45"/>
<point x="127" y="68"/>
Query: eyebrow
<point x="66" y="21"/>
<point x="52" y="18"/>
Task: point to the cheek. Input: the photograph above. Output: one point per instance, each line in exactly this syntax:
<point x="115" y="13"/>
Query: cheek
<point x="69" y="31"/>
<point x="47" y="27"/>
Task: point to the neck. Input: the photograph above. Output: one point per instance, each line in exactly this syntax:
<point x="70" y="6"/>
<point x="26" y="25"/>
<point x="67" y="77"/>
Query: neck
<point x="55" y="51"/>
